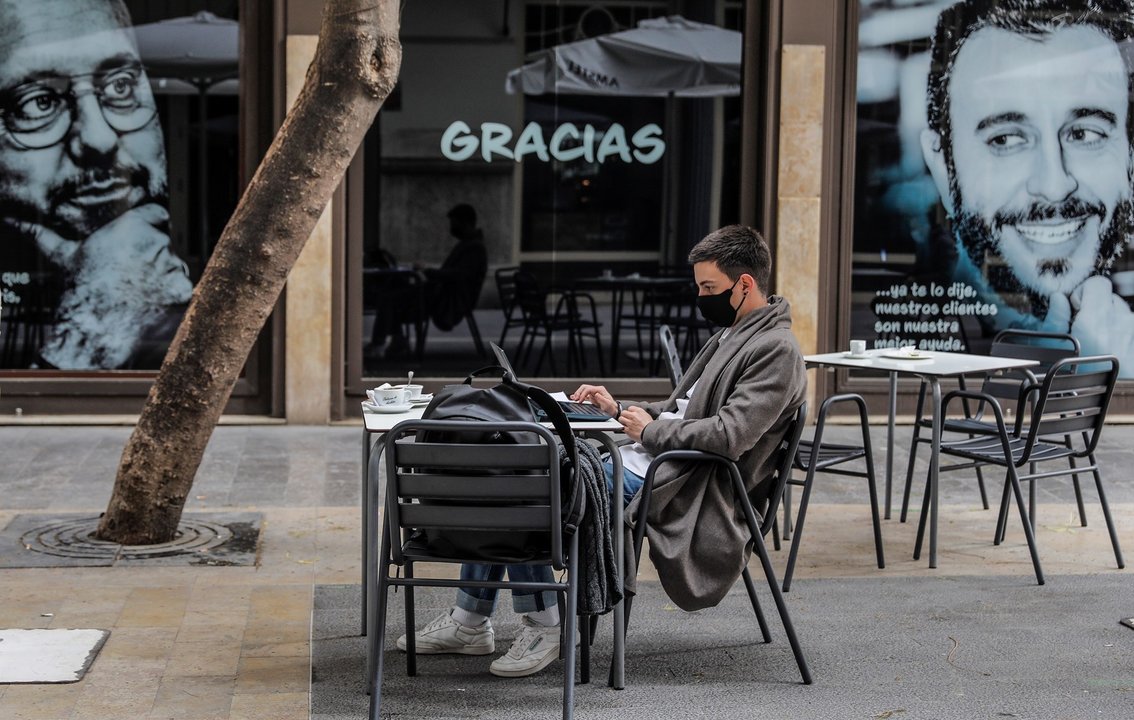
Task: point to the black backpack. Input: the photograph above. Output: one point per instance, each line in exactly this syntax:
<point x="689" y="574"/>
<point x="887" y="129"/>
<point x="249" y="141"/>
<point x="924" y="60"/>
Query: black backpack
<point x="508" y="401"/>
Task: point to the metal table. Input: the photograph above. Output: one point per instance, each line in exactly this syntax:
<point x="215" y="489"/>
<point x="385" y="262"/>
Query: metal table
<point x="931" y="369"/>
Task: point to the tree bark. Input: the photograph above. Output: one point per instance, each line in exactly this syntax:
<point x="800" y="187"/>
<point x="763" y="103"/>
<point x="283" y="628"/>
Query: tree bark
<point x="355" y="67"/>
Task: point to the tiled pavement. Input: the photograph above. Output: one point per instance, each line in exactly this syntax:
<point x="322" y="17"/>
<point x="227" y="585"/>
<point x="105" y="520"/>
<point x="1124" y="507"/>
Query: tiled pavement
<point x="234" y="642"/>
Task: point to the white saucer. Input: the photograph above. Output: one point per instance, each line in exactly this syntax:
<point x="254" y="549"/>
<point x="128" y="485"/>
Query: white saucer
<point x="856" y="356"/>
<point x="385" y="409"/>
<point x="904" y="356"/>
<point x="423" y="400"/>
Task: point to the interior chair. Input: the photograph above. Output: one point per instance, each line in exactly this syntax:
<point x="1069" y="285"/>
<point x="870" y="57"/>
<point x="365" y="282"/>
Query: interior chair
<point x="759" y="523"/>
<point x="669" y="355"/>
<point x="452" y="487"/>
<point x="814" y="456"/>
<point x="1071" y="400"/>
<point x="574" y="314"/>
<point x="506" y="292"/>
<point x="1046" y="349"/>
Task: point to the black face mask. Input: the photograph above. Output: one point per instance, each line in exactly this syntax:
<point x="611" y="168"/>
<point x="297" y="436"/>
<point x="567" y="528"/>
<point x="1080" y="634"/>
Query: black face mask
<point x="718" y="308"/>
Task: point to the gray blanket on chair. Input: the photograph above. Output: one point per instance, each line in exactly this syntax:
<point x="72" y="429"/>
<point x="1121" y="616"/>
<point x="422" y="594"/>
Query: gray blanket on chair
<point x="600" y="585"/>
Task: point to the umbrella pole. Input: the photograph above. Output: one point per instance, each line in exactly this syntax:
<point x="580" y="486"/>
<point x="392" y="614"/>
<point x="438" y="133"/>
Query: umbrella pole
<point x="202" y="170"/>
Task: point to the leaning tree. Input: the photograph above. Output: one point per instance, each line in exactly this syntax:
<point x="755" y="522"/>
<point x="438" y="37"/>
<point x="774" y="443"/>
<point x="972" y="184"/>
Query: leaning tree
<point x="355" y="67"/>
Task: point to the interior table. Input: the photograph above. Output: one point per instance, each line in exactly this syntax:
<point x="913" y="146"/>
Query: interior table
<point x="641" y="305"/>
<point x="376" y="425"/>
<point x="930" y="366"/>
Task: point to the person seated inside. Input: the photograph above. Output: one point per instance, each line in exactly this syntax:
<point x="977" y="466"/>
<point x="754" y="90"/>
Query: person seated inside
<point x="450" y="291"/>
<point x="738" y="396"/>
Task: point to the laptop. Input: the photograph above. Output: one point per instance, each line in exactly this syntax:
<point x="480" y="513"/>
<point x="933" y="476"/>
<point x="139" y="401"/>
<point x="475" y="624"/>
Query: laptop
<point x="575" y="411"/>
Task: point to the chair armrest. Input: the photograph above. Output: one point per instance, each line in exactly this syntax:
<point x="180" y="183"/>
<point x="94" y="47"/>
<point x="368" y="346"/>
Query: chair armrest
<point x="996" y="411"/>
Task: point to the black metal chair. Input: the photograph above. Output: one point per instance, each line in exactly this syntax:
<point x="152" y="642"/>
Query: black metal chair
<point x="1045" y="348"/>
<point x="446" y="487"/>
<point x="574" y="314"/>
<point x="814" y="456"/>
<point x="759" y="524"/>
<point x="1071" y="400"/>
<point x="669" y="355"/>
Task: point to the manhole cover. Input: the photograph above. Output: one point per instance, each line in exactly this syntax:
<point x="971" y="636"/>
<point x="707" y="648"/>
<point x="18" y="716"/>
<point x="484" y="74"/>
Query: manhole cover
<point x="76" y="538"/>
<point x="63" y="540"/>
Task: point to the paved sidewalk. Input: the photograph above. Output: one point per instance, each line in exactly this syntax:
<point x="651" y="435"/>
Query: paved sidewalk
<point x="202" y="642"/>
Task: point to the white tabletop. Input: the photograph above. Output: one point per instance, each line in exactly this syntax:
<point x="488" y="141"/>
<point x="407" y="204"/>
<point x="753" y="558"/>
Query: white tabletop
<point x="941" y="364"/>
<point x="383" y="422"/>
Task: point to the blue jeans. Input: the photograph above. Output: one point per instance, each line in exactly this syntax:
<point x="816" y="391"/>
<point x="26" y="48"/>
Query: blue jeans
<point x="631" y="483"/>
<point x="483" y="600"/>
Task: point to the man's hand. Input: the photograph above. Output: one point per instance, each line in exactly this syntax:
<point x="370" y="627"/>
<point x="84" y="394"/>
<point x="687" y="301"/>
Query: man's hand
<point x="122" y="279"/>
<point x="598" y="395"/>
<point x="1104" y="324"/>
<point x="634" y="420"/>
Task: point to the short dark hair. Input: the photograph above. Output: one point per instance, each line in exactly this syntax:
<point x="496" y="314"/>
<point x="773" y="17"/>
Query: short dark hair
<point x="957" y="23"/>
<point x="736" y="249"/>
<point x="463" y="213"/>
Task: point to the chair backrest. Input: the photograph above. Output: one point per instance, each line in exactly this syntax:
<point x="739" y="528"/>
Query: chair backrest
<point x="1044" y="347"/>
<point x="669" y="354"/>
<point x="506" y="288"/>
<point x="462" y="487"/>
<point x="1073" y="398"/>
<point x="530" y="297"/>
<point x="785" y="456"/>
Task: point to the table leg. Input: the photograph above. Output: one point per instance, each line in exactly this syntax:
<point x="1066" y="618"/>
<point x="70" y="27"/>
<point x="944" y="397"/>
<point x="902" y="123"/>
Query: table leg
<point x="618" y="661"/>
<point x="365" y="502"/>
<point x="890" y="440"/>
<point x="930" y="499"/>
<point x="934" y="469"/>
<point x="368" y="443"/>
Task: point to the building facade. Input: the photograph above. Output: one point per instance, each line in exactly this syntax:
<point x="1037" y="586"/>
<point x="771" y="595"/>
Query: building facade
<point x="525" y="183"/>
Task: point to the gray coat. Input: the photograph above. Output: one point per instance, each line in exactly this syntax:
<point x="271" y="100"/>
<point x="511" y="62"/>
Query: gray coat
<point x="748" y="388"/>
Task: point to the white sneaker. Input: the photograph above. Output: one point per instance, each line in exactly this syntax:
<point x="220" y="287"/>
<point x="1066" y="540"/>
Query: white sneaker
<point x="446" y="635"/>
<point x="535" y="648"/>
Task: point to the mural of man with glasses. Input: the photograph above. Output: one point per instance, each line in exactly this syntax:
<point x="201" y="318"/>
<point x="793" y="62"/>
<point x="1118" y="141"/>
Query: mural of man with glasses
<point x="83" y="218"/>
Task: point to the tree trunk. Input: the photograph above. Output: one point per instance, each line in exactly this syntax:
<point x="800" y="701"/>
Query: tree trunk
<point x="355" y="66"/>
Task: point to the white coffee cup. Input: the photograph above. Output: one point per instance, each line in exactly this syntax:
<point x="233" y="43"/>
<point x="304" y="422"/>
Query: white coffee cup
<point x="857" y="347"/>
<point x="389" y="396"/>
<point x="413" y="390"/>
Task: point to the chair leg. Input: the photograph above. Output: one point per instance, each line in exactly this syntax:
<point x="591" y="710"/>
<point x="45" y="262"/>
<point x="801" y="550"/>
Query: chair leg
<point x="1002" y="519"/>
<point x="411" y="627"/>
<point x="980" y="485"/>
<point x="872" y="489"/>
<point x="781" y="606"/>
<point x="751" y="588"/>
<point x="1032" y="501"/>
<point x="475" y="334"/>
<point x="1109" y="520"/>
<point x="376" y="609"/>
<point x="569" y="622"/>
<point x="913" y="452"/>
<point x="776" y="533"/>
<point x="804" y="500"/>
<point x="1027" y="523"/>
<point x="787" y="510"/>
<point x="1078" y="488"/>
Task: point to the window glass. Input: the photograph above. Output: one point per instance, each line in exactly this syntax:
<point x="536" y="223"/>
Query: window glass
<point x="118" y="157"/>
<point x="993" y="174"/>
<point x="537" y="180"/>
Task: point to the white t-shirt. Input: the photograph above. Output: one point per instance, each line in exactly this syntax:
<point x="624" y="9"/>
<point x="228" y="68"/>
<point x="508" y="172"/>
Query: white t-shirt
<point x="635" y="457"/>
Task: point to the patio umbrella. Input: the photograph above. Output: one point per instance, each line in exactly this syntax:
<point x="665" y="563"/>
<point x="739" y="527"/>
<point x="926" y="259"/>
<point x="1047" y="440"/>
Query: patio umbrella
<point x="668" y="56"/>
<point x="200" y="49"/>
<point x="663" y="57"/>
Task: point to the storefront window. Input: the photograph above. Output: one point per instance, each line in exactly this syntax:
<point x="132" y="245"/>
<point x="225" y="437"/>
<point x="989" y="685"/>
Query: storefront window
<point x="118" y="144"/>
<point x="532" y="175"/>
<point x="993" y="174"/>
